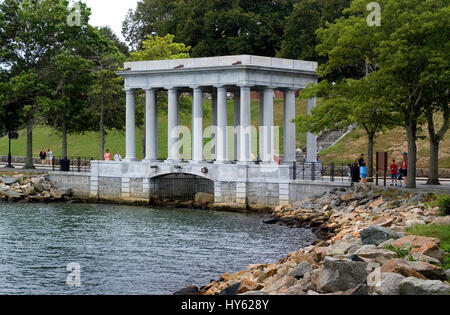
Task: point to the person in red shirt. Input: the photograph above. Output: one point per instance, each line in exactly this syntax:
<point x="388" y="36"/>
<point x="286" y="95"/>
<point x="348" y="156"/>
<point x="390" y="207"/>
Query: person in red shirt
<point x="394" y="173"/>
<point x="107" y="156"/>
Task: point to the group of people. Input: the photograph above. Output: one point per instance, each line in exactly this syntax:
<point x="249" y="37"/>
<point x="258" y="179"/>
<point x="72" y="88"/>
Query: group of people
<point x="358" y="171"/>
<point x="399" y="174"/>
<point x="46" y="156"/>
<point x="117" y="157"/>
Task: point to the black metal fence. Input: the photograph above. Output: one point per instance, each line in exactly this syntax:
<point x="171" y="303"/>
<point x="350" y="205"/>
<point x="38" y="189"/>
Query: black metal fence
<point x="320" y="172"/>
<point x="179" y="187"/>
<point x="72" y="164"/>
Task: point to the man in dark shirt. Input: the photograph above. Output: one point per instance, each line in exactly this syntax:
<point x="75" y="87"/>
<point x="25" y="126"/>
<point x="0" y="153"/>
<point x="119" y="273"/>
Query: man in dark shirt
<point x="361" y="160"/>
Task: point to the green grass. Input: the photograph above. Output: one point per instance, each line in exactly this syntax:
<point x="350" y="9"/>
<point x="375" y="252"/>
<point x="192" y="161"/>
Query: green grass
<point x="88" y="144"/>
<point x="441" y="232"/>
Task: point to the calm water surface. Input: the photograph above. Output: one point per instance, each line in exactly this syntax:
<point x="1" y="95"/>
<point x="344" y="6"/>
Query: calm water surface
<point x="130" y="250"/>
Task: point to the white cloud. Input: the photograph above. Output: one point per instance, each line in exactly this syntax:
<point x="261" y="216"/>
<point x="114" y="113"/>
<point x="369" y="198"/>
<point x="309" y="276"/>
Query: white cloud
<point x="110" y="12"/>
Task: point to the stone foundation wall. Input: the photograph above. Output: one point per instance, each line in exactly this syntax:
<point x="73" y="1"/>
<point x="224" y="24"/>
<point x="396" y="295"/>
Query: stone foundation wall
<point x="79" y="183"/>
<point x="263" y="194"/>
<point x="109" y="187"/>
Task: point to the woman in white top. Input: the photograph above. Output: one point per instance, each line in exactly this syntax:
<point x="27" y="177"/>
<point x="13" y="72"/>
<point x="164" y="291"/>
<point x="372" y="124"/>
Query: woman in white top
<point x="49" y="157"/>
<point x="117" y="157"/>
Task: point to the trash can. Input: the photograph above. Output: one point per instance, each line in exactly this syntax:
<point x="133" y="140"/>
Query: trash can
<point x="64" y="165"/>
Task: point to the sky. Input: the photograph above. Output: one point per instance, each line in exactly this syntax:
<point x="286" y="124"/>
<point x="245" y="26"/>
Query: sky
<point x="110" y="12"/>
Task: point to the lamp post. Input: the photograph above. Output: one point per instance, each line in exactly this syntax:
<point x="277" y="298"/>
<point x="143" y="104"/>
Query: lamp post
<point x="11" y="135"/>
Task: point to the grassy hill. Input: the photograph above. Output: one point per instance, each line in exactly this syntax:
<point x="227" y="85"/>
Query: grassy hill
<point x="393" y="141"/>
<point x="87" y="144"/>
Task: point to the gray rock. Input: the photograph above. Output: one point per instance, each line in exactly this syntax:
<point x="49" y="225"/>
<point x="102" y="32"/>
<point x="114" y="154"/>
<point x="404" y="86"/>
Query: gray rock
<point x="375" y="235"/>
<point x="231" y="290"/>
<point x="373" y="253"/>
<point x="389" y="284"/>
<point x="8" y="180"/>
<point x="12" y="195"/>
<point x="297" y="289"/>
<point x="192" y="290"/>
<point x="301" y="269"/>
<point x="341" y="275"/>
<point x="38" y="187"/>
<point x="254" y="293"/>
<point x="27" y="189"/>
<point x="414" y="286"/>
<point x="447" y="274"/>
<point x="66" y="192"/>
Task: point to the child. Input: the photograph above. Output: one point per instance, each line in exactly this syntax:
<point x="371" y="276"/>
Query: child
<point x="107" y="155"/>
<point x="394" y="173"/>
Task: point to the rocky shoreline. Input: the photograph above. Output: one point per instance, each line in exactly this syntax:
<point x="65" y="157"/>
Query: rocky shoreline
<point x="364" y="249"/>
<point x="26" y="188"/>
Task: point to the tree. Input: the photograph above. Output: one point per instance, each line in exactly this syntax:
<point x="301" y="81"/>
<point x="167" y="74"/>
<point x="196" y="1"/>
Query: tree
<point x="300" y="39"/>
<point x="400" y="56"/>
<point x="160" y="48"/>
<point x="106" y="92"/>
<point x="347" y="103"/>
<point x="212" y="27"/>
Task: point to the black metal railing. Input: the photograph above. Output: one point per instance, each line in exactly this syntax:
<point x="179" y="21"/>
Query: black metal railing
<point x="321" y="172"/>
<point x="72" y="164"/>
<point x="179" y="187"/>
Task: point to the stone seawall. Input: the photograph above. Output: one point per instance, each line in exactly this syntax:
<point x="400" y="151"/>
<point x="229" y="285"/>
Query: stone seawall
<point x="253" y="195"/>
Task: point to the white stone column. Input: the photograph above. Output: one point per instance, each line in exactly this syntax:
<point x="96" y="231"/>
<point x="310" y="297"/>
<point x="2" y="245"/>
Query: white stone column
<point x="237" y="124"/>
<point x="222" y="119"/>
<point x="130" y="126"/>
<point x="289" y="132"/>
<point x="214" y="125"/>
<point x="197" y="125"/>
<point x="245" y="125"/>
<point x="311" y="139"/>
<point x="261" y="126"/>
<point x="173" y="128"/>
<point x="151" y="126"/>
<point x="268" y="126"/>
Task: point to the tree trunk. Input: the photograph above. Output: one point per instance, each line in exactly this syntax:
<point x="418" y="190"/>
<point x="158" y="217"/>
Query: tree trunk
<point x="435" y="139"/>
<point x="371" y="137"/>
<point x="64" y="135"/>
<point x="102" y="131"/>
<point x="29" y="158"/>
<point x="433" y="169"/>
<point x="411" y="134"/>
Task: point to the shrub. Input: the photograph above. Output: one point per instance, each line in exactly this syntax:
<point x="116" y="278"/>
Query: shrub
<point x="443" y="202"/>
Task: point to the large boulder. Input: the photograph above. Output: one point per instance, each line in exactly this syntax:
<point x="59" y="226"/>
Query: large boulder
<point x="27" y="190"/>
<point x="13" y="195"/>
<point x="414" y="286"/>
<point x="371" y="253"/>
<point x="428" y="270"/>
<point x="191" y="290"/>
<point x="420" y="244"/>
<point x="401" y="267"/>
<point x="204" y="198"/>
<point x="38" y="186"/>
<point x="8" y="180"/>
<point x="301" y="269"/>
<point x="389" y="284"/>
<point x="56" y="193"/>
<point x="442" y="220"/>
<point x="375" y="235"/>
<point x="341" y="275"/>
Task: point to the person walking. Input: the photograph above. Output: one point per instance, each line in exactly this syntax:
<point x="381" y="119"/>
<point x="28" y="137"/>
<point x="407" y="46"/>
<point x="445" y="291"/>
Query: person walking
<point x="363" y="173"/>
<point x="43" y="156"/>
<point x="405" y="167"/>
<point x="355" y="172"/>
<point x="394" y="173"/>
<point x="117" y="157"/>
<point x="49" y="156"/>
<point x="107" y="155"/>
